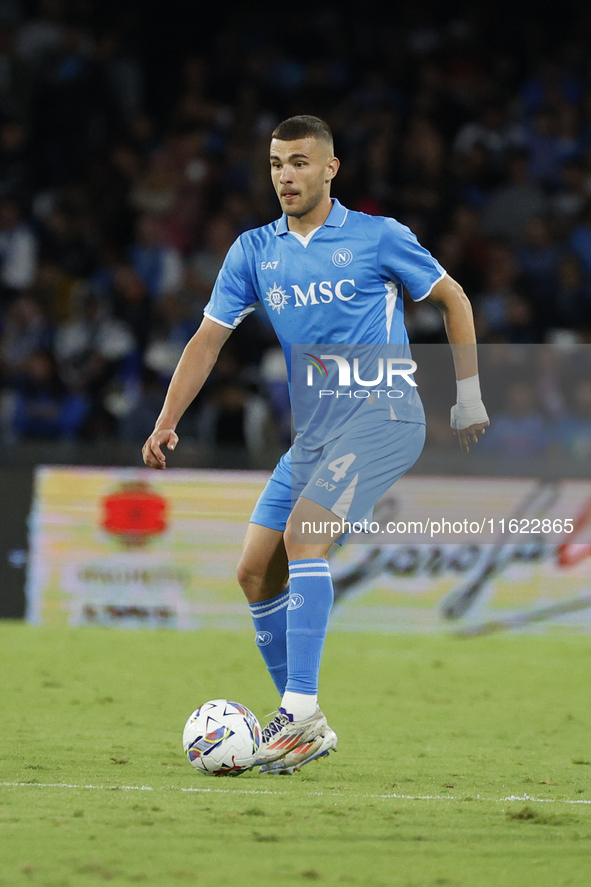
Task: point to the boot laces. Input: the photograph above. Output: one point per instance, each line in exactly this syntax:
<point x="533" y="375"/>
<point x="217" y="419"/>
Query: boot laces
<point x="278" y="723"/>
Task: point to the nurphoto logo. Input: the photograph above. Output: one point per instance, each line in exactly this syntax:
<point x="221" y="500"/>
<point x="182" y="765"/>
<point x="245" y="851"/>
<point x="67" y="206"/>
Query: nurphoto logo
<point x="394" y="367"/>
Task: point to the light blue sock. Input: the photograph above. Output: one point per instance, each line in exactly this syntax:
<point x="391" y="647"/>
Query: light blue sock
<point x="270" y="622"/>
<point x="310" y="601"/>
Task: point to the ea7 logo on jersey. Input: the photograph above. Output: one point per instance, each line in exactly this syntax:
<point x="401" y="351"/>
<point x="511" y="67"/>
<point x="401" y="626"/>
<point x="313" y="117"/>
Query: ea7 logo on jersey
<point x="269" y="266"/>
<point x="326" y="484"/>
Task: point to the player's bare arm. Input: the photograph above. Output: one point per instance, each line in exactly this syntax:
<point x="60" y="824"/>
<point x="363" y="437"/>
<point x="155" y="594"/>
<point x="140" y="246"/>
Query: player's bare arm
<point x="469" y="418"/>
<point x="195" y="365"/>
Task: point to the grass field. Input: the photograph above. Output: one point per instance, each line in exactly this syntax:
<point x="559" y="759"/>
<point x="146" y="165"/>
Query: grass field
<point x="436" y="734"/>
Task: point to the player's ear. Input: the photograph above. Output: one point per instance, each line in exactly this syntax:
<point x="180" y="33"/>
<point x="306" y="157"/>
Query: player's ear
<point x="332" y="168"/>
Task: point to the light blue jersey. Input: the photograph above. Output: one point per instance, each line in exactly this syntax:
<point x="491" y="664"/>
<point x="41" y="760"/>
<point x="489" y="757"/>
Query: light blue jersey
<point x="341" y="284"/>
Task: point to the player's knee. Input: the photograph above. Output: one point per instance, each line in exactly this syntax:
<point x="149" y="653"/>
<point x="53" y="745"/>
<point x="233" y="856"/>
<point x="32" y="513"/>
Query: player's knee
<point x="251" y="581"/>
<point x="246" y="577"/>
<point x="290" y="548"/>
<point x="304" y="545"/>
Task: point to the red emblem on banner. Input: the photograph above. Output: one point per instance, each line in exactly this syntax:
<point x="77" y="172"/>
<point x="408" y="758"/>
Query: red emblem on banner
<point x="134" y="513"/>
<point x="572" y="553"/>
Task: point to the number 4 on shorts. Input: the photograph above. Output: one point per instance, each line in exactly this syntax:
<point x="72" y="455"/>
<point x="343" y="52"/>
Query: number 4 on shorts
<point x="341" y="465"/>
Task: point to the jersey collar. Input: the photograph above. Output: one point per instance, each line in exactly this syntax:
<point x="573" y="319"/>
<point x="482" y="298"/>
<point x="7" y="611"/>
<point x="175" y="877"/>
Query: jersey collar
<point x="336" y="218"/>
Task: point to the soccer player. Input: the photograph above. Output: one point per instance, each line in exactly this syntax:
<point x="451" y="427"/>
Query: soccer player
<point x="324" y="274"/>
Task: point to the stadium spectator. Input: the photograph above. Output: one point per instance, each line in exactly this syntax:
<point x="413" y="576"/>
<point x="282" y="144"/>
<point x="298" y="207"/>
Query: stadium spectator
<point x="92" y="344"/>
<point x="518" y="431"/>
<point x="173" y="327"/>
<point x="43" y="406"/>
<point x="580" y="241"/>
<point x="512" y="204"/>
<point x="274" y="384"/>
<point x="67" y="240"/>
<point x="502" y="312"/>
<point x="139" y="415"/>
<point x="16" y="176"/>
<point x="18" y="248"/>
<point x="234" y="420"/>
<point x="26" y="331"/>
<point x="538" y="259"/>
<point x="132" y="304"/>
<point x="573" y="192"/>
<point x="124" y="74"/>
<point x="38" y="38"/>
<point x="493" y="132"/>
<point x="158" y="265"/>
<point x="205" y="263"/>
<point x="571" y="305"/>
<point x="540" y="140"/>
<point x="71" y="105"/>
<point x="573" y="433"/>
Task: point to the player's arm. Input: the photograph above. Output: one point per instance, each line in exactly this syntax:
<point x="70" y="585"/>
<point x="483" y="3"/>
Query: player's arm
<point x="195" y="365"/>
<point x="468" y="417"/>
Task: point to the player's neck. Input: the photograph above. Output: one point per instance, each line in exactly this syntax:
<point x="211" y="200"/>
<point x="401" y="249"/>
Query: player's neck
<point x="312" y="220"/>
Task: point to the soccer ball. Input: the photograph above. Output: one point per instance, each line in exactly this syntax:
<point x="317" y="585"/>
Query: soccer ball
<point x="222" y="738"/>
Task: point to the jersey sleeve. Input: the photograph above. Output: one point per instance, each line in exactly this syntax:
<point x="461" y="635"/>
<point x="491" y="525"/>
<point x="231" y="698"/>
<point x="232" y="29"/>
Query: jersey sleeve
<point x="401" y="256"/>
<point x="233" y="295"/>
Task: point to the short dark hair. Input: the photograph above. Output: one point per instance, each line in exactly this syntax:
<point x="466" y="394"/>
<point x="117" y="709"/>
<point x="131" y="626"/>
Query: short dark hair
<point x="301" y="127"/>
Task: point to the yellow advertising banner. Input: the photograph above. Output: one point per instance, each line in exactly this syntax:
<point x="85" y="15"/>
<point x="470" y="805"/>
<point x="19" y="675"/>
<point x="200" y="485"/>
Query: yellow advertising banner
<point x="133" y="548"/>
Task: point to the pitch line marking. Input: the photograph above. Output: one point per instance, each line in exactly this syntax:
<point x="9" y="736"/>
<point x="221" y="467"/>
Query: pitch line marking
<point x="243" y="791"/>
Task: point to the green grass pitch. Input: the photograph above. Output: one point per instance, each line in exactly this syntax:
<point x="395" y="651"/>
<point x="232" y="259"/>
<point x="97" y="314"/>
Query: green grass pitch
<point x="436" y="735"/>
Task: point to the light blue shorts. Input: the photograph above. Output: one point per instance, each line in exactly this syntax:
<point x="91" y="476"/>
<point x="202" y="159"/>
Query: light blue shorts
<point x="347" y="476"/>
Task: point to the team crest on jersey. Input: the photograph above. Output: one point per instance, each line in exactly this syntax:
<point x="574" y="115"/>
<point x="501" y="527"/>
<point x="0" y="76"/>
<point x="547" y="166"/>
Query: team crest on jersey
<point x="277" y="297"/>
<point x="342" y="257"/>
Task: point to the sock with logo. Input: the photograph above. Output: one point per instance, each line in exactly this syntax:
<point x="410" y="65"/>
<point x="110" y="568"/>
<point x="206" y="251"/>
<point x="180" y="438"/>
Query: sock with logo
<point x="269" y="619"/>
<point x="310" y="602"/>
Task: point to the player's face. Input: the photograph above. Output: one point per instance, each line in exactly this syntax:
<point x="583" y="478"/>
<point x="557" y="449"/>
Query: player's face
<point x="301" y="171"/>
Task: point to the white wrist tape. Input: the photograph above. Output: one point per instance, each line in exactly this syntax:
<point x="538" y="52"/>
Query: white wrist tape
<point x="468" y="391"/>
<point x="469" y="409"/>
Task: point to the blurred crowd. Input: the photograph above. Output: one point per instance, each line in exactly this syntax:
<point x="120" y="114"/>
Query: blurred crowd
<point x="538" y="398"/>
<point x="128" y="167"/>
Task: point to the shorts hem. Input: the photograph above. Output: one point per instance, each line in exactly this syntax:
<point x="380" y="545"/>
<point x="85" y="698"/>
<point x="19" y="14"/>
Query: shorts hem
<point x="260" y="523"/>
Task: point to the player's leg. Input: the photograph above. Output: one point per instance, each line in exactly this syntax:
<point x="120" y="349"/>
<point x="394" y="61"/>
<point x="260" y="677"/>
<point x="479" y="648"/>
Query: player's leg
<point x="310" y="603"/>
<point x="262" y="571"/>
<point x="352" y="474"/>
<point x="361" y="466"/>
<point x="300" y="733"/>
<point x="262" y="574"/>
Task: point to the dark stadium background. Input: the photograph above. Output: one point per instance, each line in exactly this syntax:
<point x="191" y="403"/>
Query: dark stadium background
<point x="133" y="150"/>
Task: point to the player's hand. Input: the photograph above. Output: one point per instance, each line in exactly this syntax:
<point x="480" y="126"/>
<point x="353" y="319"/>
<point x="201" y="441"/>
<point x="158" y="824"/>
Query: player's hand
<point x="152" y="449"/>
<point x="469" y="424"/>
